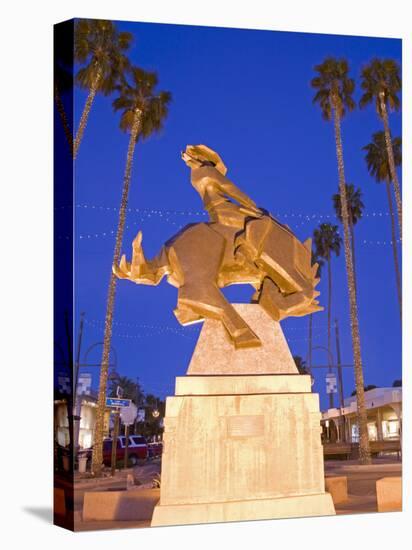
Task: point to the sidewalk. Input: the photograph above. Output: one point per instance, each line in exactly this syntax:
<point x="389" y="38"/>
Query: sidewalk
<point x="361" y="482"/>
<point x="141" y="474"/>
<point x="361" y="490"/>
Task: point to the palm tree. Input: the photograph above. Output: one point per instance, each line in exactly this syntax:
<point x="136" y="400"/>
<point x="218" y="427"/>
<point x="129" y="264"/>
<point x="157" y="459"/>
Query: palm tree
<point x="382" y="83"/>
<point x="377" y="160"/>
<point x="327" y="241"/>
<point x="63" y="74"/>
<point x="99" y="46"/>
<point x="143" y="113"/>
<point x="334" y="89"/>
<point x="355" y="211"/>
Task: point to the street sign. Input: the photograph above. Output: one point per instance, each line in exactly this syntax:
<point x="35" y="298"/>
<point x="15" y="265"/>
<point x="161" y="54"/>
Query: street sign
<point x="63" y="382"/>
<point x="84" y="383"/>
<point x="116" y="402"/>
<point x="331" y="383"/>
<point x="128" y="414"/>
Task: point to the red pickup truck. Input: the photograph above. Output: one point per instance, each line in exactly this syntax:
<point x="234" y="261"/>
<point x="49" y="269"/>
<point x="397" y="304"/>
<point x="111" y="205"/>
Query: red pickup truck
<point x="138" y="449"/>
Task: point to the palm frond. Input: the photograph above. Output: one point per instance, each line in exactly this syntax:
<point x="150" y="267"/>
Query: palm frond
<point x="137" y="93"/>
<point x="333" y="81"/>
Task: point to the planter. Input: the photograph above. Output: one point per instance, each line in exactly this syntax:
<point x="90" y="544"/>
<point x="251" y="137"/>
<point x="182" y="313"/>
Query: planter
<point x="82" y="464"/>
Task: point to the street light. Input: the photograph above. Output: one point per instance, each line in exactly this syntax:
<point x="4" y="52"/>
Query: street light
<point x="331" y="363"/>
<point x="78" y="400"/>
<point x="339" y="367"/>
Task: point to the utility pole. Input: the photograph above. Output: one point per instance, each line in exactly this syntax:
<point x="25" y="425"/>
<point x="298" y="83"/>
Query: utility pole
<point x="126" y="448"/>
<point x="114" y="440"/>
<point x="339" y="365"/>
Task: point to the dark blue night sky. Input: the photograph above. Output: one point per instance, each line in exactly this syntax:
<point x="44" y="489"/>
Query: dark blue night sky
<point x="246" y="94"/>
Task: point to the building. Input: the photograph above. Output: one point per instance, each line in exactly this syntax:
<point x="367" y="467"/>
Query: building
<point x="384" y="412"/>
<point x="87" y="422"/>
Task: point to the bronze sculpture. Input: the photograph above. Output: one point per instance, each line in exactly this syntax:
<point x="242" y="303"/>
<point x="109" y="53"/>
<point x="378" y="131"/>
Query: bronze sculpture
<point x="241" y="244"/>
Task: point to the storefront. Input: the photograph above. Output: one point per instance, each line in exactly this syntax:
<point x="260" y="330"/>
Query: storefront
<point x="384" y="417"/>
<point x="87" y="422"/>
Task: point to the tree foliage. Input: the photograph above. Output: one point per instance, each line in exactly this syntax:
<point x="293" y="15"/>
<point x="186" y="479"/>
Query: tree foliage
<point x="354" y="202"/>
<point x="131" y="388"/>
<point x="381" y="76"/>
<point x="316" y="259"/>
<point x="327" y="241"/>
<point x="137" y="92"/>
<point x="334" y="87"/>
<point x="100" y="47"/>
<point x="300" y="364"/>
<point x="377" y="156"/>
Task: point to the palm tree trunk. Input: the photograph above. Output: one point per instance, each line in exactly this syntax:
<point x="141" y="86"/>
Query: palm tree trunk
<point x="392" y="168"/>
<point x="63" y="117"/>
<point x="85" y="113"/>
<point x="352" y="243"/>
<point x="329" y="324"/>
<point x="364" y="449"/>
<point x="395" y="249"/>
<point x="97" y="458"/>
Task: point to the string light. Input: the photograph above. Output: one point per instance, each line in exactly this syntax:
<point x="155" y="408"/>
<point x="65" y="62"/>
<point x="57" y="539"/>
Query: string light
<point x="171" y="212"/>
<point x="169" y="216"/>
<point x="149" y="329"/>
<point x="138" y="223"/>
<point x="380" y="243"/>
<point x="139" y="326"/>
<point x="187" y="332"/>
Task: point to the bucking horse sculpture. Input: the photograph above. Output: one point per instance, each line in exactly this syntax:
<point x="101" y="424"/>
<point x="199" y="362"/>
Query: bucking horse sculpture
<point x="240" y="244"/>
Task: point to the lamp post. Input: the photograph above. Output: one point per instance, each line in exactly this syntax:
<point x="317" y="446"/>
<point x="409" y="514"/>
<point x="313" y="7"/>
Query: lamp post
<point x="88" y="365"/>
<point x="342" y="435"/>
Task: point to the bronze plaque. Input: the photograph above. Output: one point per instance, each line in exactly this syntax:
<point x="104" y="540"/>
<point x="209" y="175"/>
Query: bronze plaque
<point x="245" y="426"/>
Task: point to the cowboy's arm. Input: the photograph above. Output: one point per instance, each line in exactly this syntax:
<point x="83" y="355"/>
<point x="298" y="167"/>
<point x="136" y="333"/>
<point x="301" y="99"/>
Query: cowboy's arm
<point x="235" y="193"/>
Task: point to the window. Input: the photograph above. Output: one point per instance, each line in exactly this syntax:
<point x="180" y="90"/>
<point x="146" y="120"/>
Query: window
<point x="138" y="440"/>
<point x="372" y="431"/>
<point x="355" y="433"/>
<point x="390" y="429"/>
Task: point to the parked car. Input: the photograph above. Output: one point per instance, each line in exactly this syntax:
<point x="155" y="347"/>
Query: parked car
<point x="138" y="449"/>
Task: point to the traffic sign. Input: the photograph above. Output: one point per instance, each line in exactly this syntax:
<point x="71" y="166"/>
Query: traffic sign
<point x="128" y="414"/>
<point x="331" y="383"/>
<point x="116" y="402"/>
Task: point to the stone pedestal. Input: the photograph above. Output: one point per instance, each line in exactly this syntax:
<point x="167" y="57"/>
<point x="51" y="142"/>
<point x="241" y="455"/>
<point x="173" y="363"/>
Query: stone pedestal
<point x="244" y="445"/>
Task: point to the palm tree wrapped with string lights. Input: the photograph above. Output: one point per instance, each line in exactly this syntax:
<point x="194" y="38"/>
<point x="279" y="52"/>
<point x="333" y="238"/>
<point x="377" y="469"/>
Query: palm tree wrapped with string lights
<point x="377" y="160"/>
<point x="355" y="211"/>
<point x="100" y="47"/>
<point x="143" y="113"/>
<point x="381" y="83"/>
<point x="334" y="89"/>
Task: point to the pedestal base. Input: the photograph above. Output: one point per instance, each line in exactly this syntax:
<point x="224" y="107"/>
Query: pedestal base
<point x="239" y="448"/>
<point x="244" y="510"/>
<point x="242" y="434"/>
